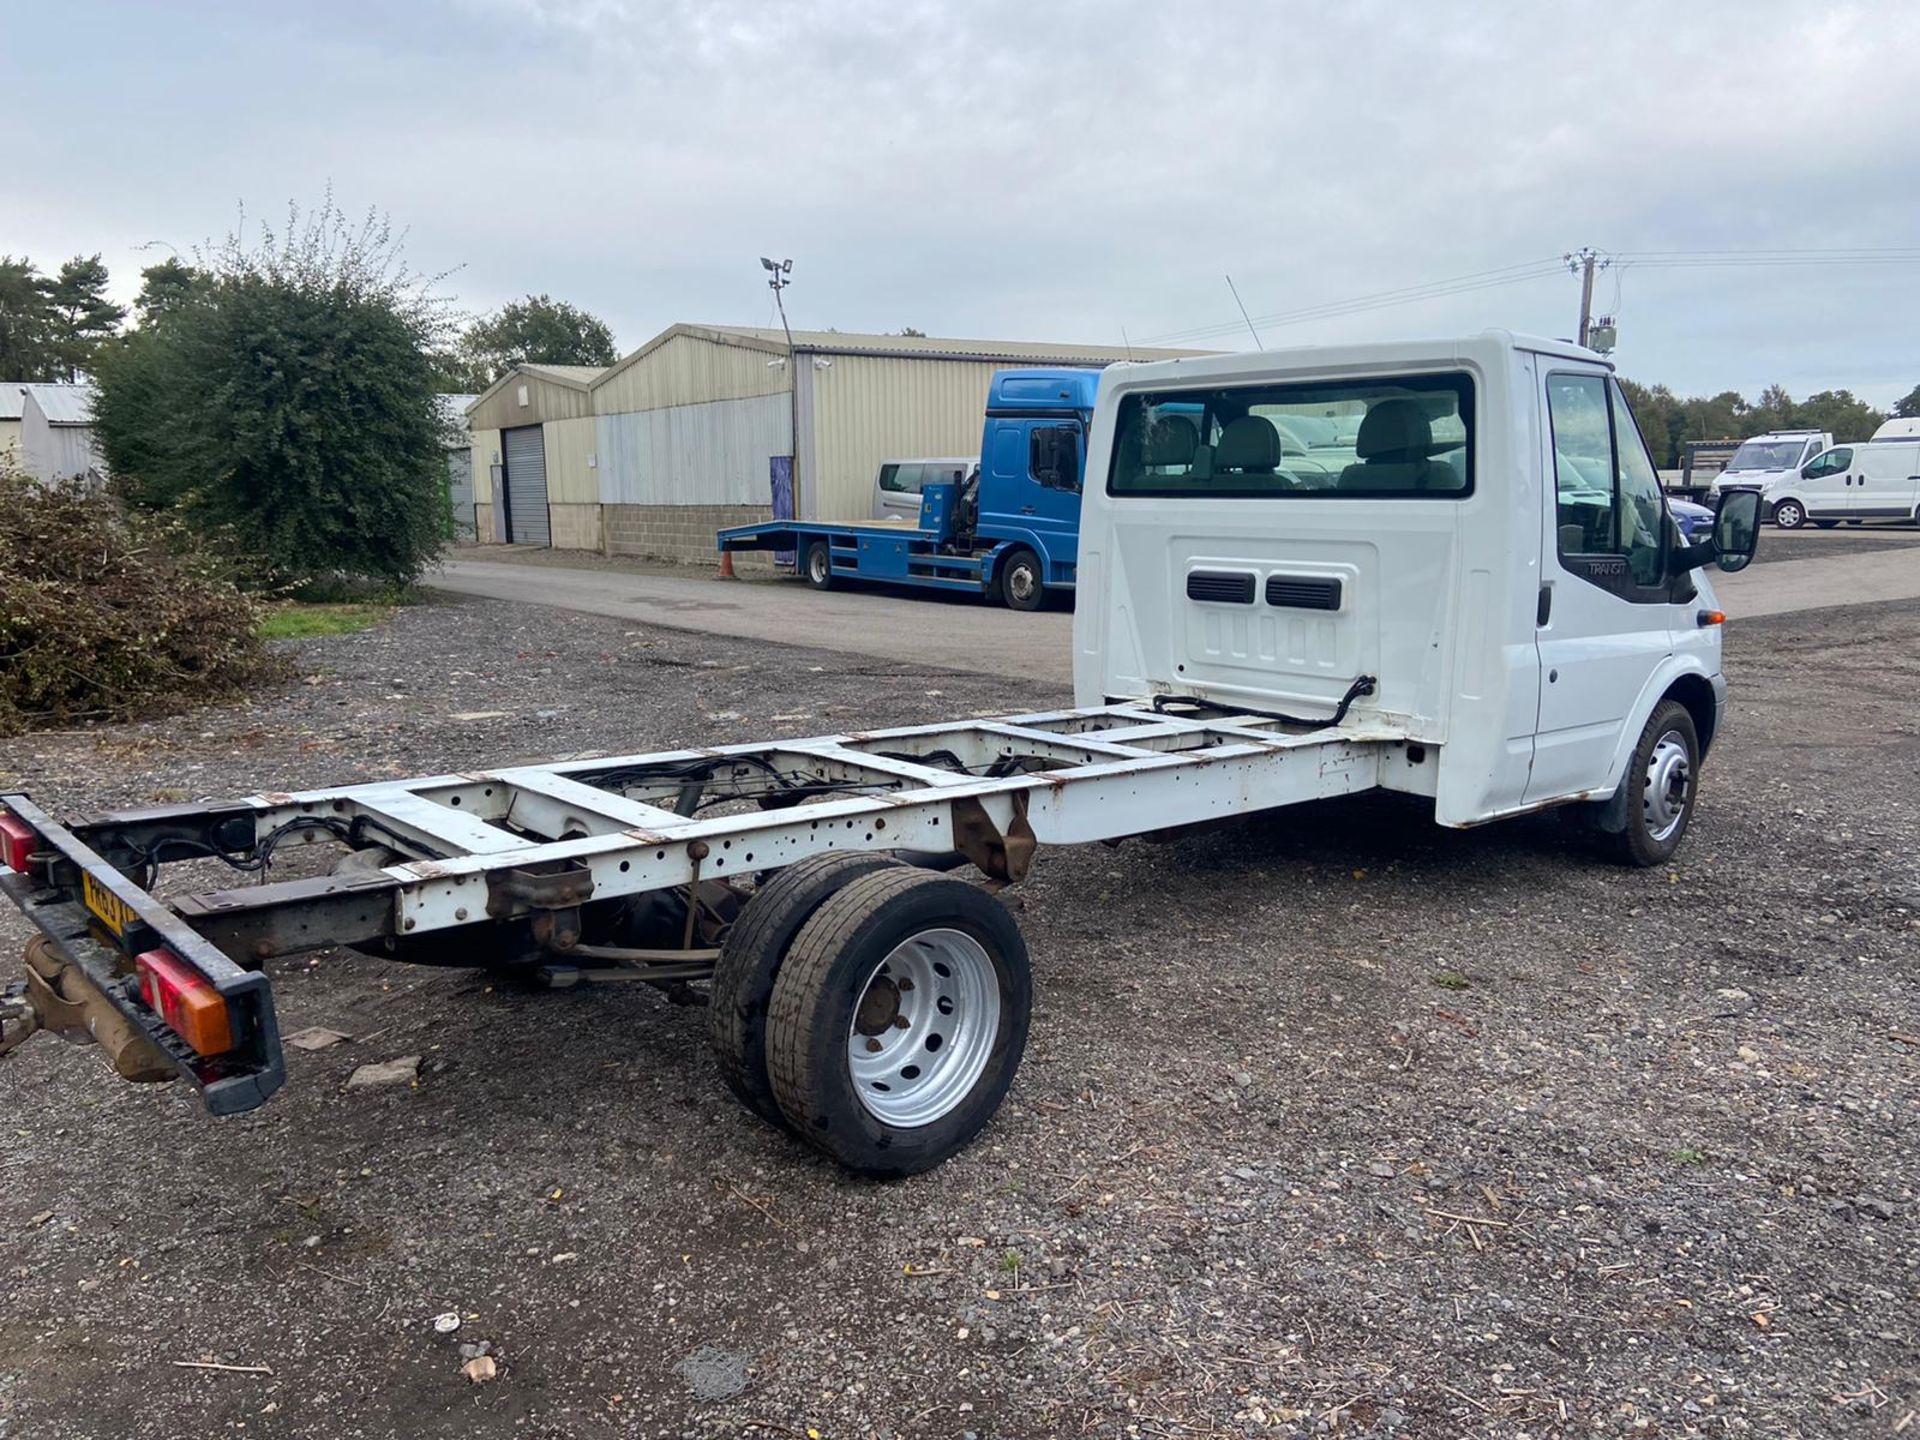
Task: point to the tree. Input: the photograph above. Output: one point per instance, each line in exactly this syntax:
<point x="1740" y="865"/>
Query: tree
<point x="1652" y="419"/>
<point x="1908" y="407"/>
<point x="290" y="398"/>
<point x="1775" y="411"/>
<point x="1840" y="413"/>
<point x="164" y="288"/>
<point x="28" y="351"/>
<point x="538" y="330"/>
<point x="83" y="316"/>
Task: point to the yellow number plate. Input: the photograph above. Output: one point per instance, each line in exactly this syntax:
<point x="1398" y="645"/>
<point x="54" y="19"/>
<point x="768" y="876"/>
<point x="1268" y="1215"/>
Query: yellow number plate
<point x="113" y="912"/>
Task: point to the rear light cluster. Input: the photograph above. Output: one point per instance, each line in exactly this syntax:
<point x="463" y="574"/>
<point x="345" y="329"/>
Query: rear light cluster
<point x="186" y="1000"/>
<point x="17" y="842"/>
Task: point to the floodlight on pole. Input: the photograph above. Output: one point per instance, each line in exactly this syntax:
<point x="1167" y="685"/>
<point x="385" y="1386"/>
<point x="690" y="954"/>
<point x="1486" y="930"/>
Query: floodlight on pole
<point x="778" y="270"/>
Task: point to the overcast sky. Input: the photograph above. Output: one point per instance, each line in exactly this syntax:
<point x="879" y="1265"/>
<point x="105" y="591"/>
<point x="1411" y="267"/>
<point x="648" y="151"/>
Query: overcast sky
<point x="1011" y="169"/>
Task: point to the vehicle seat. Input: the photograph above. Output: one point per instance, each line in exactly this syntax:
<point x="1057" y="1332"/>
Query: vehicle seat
<point x="1395" y="446"/>
<point x="1248" y="446"/>
<point x="1171" y="444"/>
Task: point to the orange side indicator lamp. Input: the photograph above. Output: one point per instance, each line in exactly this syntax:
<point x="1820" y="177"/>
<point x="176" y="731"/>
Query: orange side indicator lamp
<point x="186" y="1000"/>
<point x="1711" y="617"/>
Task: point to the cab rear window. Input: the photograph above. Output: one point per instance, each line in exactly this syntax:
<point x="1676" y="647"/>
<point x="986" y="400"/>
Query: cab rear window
<point x="1409" y="437"/>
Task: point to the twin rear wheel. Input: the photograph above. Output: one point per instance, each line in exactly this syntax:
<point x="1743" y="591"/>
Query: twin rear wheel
<point x="877" y="1011"/>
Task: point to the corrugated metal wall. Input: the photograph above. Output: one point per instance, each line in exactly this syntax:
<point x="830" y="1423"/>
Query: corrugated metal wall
<point x="868" y="409"/>
<point x="545" y="401"/>
<point x="712" y="454"/>
<point x="56" y="452"/>
<point x="571" y="476"/>
<point x="688" y="370"/>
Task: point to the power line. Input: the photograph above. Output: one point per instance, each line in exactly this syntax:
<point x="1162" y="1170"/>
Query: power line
<point x="1539" y="269"/>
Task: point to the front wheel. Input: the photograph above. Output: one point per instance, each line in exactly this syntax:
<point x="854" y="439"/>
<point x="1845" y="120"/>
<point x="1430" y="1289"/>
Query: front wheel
<point x="1789" y="514"/>
<point x="1660" y="784"/>
<point x="1021" y="583"/>
<point x="898" y="1021"/>
<point x="819" y="566"/>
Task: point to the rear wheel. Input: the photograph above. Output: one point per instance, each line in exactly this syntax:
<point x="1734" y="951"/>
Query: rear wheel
<point x="898" y="1021"/>
<point x="1660" y="784"/>
<point x="819" y="566"/>
<point x="1825" y="524"/>
<point x="1022" y="582"/>
<point x="750" y="961"/>
<point x="1789" y="514"/>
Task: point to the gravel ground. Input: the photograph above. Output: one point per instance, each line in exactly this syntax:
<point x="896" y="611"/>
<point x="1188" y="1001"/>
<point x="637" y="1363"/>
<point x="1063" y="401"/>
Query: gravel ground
<point x="1331" y="1124"/>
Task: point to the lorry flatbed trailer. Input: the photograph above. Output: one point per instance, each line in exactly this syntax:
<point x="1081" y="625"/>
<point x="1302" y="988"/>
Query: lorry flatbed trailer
<point x="890" y="552"/>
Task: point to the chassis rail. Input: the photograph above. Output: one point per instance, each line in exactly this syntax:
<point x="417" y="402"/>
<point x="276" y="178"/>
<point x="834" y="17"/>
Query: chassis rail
<point x="531" y="845"/>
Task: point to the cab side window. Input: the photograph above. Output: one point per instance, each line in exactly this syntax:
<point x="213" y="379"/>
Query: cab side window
<point x="1611" y="514"/>
<point x="1053" y="457"/>
<point x="1831" y="463"/>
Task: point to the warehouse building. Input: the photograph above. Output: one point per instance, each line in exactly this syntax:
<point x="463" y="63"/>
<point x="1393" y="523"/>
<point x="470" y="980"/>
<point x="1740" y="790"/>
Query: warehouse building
<point x="56" y="433"/>
<point x="696" y="429"/>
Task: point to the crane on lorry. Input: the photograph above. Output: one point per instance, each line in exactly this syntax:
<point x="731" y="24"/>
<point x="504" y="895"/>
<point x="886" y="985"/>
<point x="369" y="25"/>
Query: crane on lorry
<point x="1489" y="609"/>
<point x="1010" y="530"/>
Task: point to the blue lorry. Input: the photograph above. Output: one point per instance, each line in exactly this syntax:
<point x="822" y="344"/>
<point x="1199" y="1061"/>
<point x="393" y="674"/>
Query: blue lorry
<point x="1010" y="530"/>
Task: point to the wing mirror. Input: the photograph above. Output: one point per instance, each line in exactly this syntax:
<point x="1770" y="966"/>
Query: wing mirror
<point x="1736" y="529"/>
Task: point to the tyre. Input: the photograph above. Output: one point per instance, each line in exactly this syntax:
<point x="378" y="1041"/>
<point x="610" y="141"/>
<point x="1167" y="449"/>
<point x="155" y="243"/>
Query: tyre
<point x="1825" y="524"/>
<point x="1022" y="582"/>
<point x="1658" y="789"/>
<point x="750" y="960"/>
<point x="1789" y="514"/>
<point x="1856" y="522"/>
<point x="898" y="1021"/>
<point x="817" y="565"/>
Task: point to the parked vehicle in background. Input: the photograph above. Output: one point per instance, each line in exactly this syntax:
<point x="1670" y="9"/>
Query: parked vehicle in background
<point x="897" y="485"/>
<point x="1901" y="427"/>
<point x="1700" y="462"/>
<point x="1765" y="460"/>
<point x="1694" y="521"/>
<point x="1007" y="528"/>
<point x="1878" y="480"/>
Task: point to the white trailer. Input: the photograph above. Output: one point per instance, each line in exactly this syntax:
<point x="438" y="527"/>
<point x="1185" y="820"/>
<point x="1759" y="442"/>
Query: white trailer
<point x="1484" y="602"/>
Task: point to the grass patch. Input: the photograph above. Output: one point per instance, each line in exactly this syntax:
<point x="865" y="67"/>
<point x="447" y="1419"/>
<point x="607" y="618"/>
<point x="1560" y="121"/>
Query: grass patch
<point x="1451" y="980"/>
<point x="303" y="622"/>
<point x="1687" y="1155"/>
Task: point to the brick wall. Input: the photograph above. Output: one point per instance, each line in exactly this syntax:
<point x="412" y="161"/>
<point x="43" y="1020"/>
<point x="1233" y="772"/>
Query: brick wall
<point x="681" y="532"/>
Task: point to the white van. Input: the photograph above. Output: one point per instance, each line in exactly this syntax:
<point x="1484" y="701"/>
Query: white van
<point x="897" y="485"/>
<point x="1765" y="460"/>
<point x="1901" y="427"/>
<point x="1879" y="480"/>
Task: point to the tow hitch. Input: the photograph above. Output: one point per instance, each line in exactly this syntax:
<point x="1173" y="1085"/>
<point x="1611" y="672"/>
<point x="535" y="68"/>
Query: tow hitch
<point x="56" y="998"/>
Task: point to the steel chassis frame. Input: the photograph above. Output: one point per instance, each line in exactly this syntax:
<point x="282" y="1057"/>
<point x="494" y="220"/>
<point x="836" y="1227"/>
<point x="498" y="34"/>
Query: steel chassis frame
<point x="534" y="843"/>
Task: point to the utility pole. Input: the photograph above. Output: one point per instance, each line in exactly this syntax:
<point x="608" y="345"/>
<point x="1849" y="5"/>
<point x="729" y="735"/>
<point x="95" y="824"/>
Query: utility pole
<point x="778" y="270"/>
<point x="1584" y="262"/>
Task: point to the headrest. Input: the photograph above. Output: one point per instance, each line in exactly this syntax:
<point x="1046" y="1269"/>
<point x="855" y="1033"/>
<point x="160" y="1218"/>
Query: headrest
<point x="1249" y="443"/>
<point x="1394" y="427"/>
<point x="1171" y="440"/>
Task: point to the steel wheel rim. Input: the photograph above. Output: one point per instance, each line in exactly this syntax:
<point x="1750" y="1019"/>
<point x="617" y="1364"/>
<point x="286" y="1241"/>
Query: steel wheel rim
<point x="817" y="563"/>
<point x="1020" y="580"/>
<point x="1788" y="515"/>
<point x="943" y="985"/>
<point x="1669" y="786"/>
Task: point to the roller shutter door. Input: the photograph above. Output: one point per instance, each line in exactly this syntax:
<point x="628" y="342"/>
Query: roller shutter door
<point x="526" y="486"/>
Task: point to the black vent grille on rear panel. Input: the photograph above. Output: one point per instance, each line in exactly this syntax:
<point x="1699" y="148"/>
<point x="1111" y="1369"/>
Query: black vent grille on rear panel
<point x="1303" y="592"/>
<point x="1223" y="589"/>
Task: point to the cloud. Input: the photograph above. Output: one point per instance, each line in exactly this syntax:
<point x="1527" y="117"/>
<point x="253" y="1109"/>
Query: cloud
<point x="1054" y="171"/>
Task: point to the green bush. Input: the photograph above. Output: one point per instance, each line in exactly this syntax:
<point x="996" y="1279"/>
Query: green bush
<point x="111" y="614"/>
<point x="287" y="397"/>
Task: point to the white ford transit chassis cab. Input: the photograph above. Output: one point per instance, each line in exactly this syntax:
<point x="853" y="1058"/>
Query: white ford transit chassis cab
<point x="1485" y="603"/>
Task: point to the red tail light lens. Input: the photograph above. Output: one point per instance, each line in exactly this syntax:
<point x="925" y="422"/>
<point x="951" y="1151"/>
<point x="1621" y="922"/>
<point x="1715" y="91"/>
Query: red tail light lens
<point x="186" y="1000"/>
<point x="17" y="842"/>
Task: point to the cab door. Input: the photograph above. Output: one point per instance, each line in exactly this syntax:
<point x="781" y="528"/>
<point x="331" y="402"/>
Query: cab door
<point x="1825" y="486"/>
<point x="1609" y="595"/>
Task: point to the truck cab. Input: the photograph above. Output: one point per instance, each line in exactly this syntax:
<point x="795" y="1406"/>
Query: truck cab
<point x="1032" y="452"/>
<point x="1491" y="576"/>
<point x="1768" y="462"/>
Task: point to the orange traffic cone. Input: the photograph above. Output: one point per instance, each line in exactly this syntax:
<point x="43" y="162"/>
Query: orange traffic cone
<point x="726" y="566"/>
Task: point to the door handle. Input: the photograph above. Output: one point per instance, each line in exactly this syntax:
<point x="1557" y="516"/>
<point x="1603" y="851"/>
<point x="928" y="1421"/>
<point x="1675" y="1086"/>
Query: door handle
<point x="1543" y="612"/>
<point x="1026" y="509"/>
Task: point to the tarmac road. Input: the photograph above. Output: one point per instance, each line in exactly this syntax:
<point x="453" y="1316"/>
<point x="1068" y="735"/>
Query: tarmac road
<point x="1837" y="568"/>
